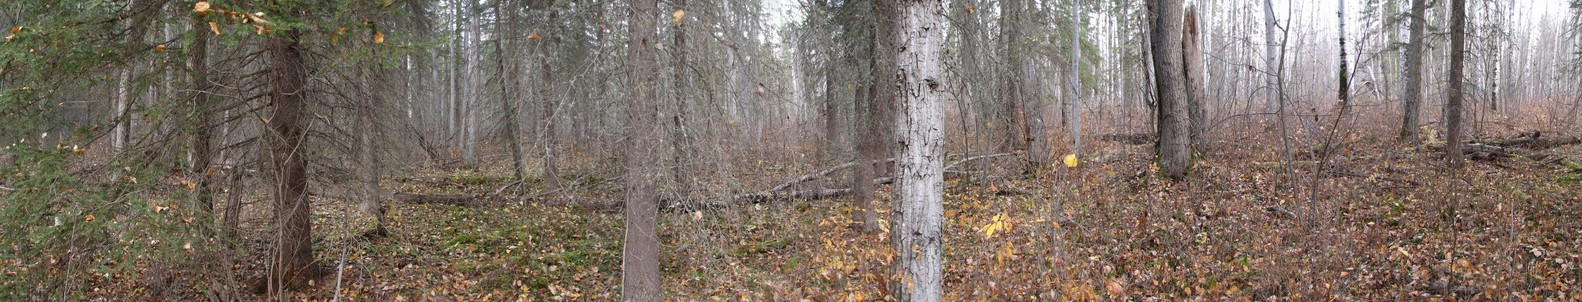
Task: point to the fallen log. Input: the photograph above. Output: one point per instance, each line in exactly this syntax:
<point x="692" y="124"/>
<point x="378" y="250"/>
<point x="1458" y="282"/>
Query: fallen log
<point x="779" y="192"/>
<point x="1532" y="141"/>
<point x="1129" y="138"/>
<point x="820" y="174"/>
<point x="454" y="200"/>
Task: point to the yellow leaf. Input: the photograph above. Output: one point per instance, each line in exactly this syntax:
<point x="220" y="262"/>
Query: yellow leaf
<point x="534" y="37"/>
<point x="202" y="7"/>
<point x="677" y="17"/>
<point x="160" y="47"/>
<point x="215" y="28"/>
<point x="1070" y="160"/>
<point x="379" y="37"/>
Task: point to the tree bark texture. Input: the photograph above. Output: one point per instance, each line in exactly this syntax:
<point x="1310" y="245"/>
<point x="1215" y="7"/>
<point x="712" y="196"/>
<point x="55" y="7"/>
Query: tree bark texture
<point x="640" y="275"/>
<point x="1411" y="90"/>
<point x="1074" y="101"/>
<point x="1197" y="96"/>
<point x="292" y="255"/>
<point x="505" y="76"/>
<point x="1458" y="49"/>
<point x="1271" y="53"/>
<point x="546" y="80"/>
<point x="202" y="132"/>
<point x="1174" y="123"/>
<point x="918" y="215"/>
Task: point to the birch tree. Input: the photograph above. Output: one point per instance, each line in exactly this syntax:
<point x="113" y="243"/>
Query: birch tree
<point x="1271" y="52"/>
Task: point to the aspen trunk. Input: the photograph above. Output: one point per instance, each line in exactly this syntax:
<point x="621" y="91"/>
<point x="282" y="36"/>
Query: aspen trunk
<point x="1411" y="90"/>
<point x="1174" y="123"/>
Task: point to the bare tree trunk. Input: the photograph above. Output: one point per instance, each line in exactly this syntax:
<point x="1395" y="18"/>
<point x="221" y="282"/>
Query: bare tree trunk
<point x="1458" y="48"/>
<point x="1192" y="56"/>
<point x="469" y="97"/>
<point x="548" y="138"/>
<point x="372" y="200"/>
<point x="1074" y="101"/>
<point x="506" y="78"/>
<point x="292" y="256"/>
<point x="1344" y="92"/>
<point x="679" y="142"/>
<point x="833" y="113"/>
<point x="138" y="15"/>
<point x="1012" y="126"/>
<point x="918" y="214"/>
<point x="1174" y="123"/>
<point x="871" y="140"/>
<point x="1270" y="53"/>
<point x="202" y="133"/>
<point x="1411" y="90"/>
<point x="640" y="276"/>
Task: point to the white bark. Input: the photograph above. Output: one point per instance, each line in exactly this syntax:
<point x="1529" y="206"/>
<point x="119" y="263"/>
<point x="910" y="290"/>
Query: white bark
<point x="920" y="131"/>
<point x="1075" y="100"/>
<point x="1270" y="52"/>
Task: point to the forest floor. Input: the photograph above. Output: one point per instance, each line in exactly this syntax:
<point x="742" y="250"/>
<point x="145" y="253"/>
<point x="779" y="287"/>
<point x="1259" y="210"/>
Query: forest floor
<point x="1386" y="221"/>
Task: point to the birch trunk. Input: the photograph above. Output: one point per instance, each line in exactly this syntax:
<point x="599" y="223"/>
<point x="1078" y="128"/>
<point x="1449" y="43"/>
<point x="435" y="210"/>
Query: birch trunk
<point x="1074" y="101"/>
<point x="1270" y="53"/>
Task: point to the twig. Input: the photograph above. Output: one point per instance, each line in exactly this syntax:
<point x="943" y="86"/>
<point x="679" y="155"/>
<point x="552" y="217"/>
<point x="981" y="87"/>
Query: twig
<point x="502" y="188"/>
<point x="7" y="189"/>
<point x="566" y="187"/>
